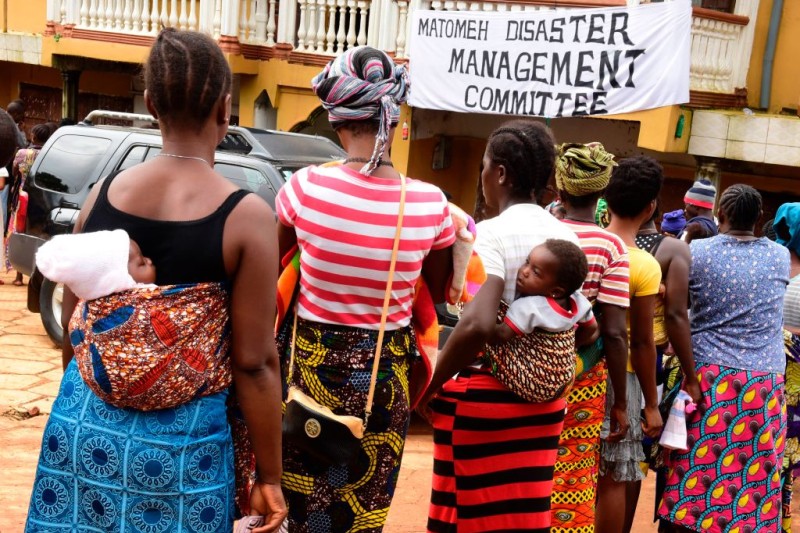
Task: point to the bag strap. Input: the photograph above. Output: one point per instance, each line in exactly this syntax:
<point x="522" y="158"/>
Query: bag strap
<point x="386" y="297"/>
<point x="384" y="313"/>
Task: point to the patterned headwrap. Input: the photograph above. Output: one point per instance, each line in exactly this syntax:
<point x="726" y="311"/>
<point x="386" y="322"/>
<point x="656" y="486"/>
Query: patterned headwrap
<point x="363" y="84"/>
<point x="583" y="169"/>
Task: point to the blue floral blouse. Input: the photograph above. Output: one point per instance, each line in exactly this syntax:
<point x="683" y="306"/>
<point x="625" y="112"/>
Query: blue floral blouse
<point x="736" y="290"/>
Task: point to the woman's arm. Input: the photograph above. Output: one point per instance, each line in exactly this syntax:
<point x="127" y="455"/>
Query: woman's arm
<point x="643" y="359"/>
<point x="437" y="269"/>
<point x="586" y="334"/>
<point x="254" y="356"/>
<point x="68" y="303"/>
<point x="502" y="333"/>
<point x="287" y="239"/>
<point x="676" y="317"/>
<point x="475" y="327"/>
<point x="615" y="345"/>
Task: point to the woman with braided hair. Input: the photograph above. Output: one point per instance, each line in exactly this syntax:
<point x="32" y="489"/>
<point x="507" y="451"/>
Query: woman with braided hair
<point x="582" y="174"/>
<point x="494" y="451"/>
<point x="729" y="479"/>
<point x="173" y="350"/>
<point x="344" y="218"/>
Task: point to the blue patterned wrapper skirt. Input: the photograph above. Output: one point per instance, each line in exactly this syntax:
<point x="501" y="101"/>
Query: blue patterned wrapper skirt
<point x="104" y="469"/>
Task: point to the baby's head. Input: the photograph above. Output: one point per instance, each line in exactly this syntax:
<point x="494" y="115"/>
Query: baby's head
<point x="556" y="269"/>
<point x="140" y="268"/>
<point x="558" y="210"/>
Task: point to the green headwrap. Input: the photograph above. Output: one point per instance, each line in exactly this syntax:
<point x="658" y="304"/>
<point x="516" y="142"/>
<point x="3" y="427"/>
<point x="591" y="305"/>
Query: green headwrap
<point x="583" y="169"/>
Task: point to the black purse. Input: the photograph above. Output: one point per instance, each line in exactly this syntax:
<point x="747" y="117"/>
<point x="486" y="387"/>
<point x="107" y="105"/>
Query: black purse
<point x="313" y="428"/>
<point x="318" y="432"/>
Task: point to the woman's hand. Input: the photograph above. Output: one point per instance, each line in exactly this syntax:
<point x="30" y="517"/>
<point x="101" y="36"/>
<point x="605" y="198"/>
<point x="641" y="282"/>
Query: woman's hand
<point x="619" y="422"/>
<point x="266" y="499"/>
<point x="652" y="423"/>
<point x="424" y="407"/>
<point x="692" y="388"/>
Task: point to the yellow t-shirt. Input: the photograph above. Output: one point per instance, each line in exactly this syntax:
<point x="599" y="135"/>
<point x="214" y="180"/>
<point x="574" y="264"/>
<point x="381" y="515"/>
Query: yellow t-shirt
<point x="645" y="280"/>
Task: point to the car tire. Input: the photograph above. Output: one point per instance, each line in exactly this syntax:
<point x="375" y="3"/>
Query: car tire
<point x="51" y="297"/>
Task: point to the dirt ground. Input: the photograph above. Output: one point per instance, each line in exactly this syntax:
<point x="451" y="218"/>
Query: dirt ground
<point x="30" y="372"/>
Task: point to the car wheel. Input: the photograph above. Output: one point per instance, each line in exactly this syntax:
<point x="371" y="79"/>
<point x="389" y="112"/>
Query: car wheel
<point x="51" y="297"/>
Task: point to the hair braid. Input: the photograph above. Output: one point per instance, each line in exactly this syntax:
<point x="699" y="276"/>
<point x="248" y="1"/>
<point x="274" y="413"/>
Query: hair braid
<point x="741" y="205"/>
<point x="526" y="150"/>
<point x="185" y="76"/>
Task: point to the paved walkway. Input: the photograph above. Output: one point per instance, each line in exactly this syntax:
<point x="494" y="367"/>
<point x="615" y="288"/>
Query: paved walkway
<point x="30" y="371"/>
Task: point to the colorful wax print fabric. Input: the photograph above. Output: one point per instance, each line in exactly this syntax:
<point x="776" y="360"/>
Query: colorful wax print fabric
<point x="333" y="365"/>
<point x="730" y="478"/>
<point x="124" y="471"/>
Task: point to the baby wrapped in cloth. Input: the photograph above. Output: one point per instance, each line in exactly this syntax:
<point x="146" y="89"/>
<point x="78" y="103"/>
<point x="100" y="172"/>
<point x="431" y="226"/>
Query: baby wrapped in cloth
<point x="139" y="346"/>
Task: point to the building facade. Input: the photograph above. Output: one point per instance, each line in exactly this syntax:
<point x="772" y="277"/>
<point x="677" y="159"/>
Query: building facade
<point x="66" y="57"/>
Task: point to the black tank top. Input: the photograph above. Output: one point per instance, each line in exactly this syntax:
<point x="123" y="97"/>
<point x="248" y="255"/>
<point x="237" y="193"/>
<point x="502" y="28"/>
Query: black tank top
<point x="182" y="252"/>
<point x="649" y="242"/>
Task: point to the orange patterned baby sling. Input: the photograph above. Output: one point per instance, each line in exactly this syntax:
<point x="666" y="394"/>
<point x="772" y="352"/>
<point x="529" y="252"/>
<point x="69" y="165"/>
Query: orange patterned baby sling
<point x="154" y="348"/>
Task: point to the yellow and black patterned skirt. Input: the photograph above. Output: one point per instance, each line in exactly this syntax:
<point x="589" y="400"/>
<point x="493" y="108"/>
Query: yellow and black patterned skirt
<point x="333" y="365"/>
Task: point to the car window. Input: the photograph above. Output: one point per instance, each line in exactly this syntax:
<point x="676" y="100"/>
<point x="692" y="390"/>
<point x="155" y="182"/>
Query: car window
<point x="134" y="156"/>
<point x="70" y="162"/>
<point x="249" y="179"/>
<point x="152" y="152"/>
<point x="297" y="147"/>
<point x="287" y="171"/>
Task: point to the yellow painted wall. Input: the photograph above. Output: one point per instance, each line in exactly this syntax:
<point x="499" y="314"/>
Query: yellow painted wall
<point x="785" y="74"/>
<point x="24" y="16"/>
<point x="460" y="179"/>
<point x="657" y="128"/>
<point x="248" y="92"/>
<point x="294" y="105"/>
<point x="125" y="53"/>
<point x="401" y="149"/>
<point x="289" y="89"/>
<point x="93" y="82"/>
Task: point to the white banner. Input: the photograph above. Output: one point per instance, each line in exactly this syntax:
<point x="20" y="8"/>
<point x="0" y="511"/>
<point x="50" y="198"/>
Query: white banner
<point x="552" y="63"/>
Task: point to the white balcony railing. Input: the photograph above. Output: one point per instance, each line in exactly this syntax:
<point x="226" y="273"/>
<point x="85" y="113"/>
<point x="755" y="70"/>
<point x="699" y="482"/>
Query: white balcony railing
<point x="721" y="44"/>
<point x="251" y="21"/>
<point x="720" y="52"/>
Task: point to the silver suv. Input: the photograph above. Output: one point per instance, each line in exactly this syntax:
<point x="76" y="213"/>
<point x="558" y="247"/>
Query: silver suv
<point x="76" y="157"/>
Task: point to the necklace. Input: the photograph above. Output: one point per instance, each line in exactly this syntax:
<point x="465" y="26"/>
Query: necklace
<point x="381" y="163"/>
<point x="163" y="154"/>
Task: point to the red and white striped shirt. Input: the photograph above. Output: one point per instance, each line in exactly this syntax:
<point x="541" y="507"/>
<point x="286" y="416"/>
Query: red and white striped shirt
<point x="345" y="223"/>
<point x="609" y="273"/>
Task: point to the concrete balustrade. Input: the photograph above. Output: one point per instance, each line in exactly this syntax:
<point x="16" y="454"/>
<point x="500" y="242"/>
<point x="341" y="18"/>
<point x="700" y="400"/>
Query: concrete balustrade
<point x="720" y="47"/>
